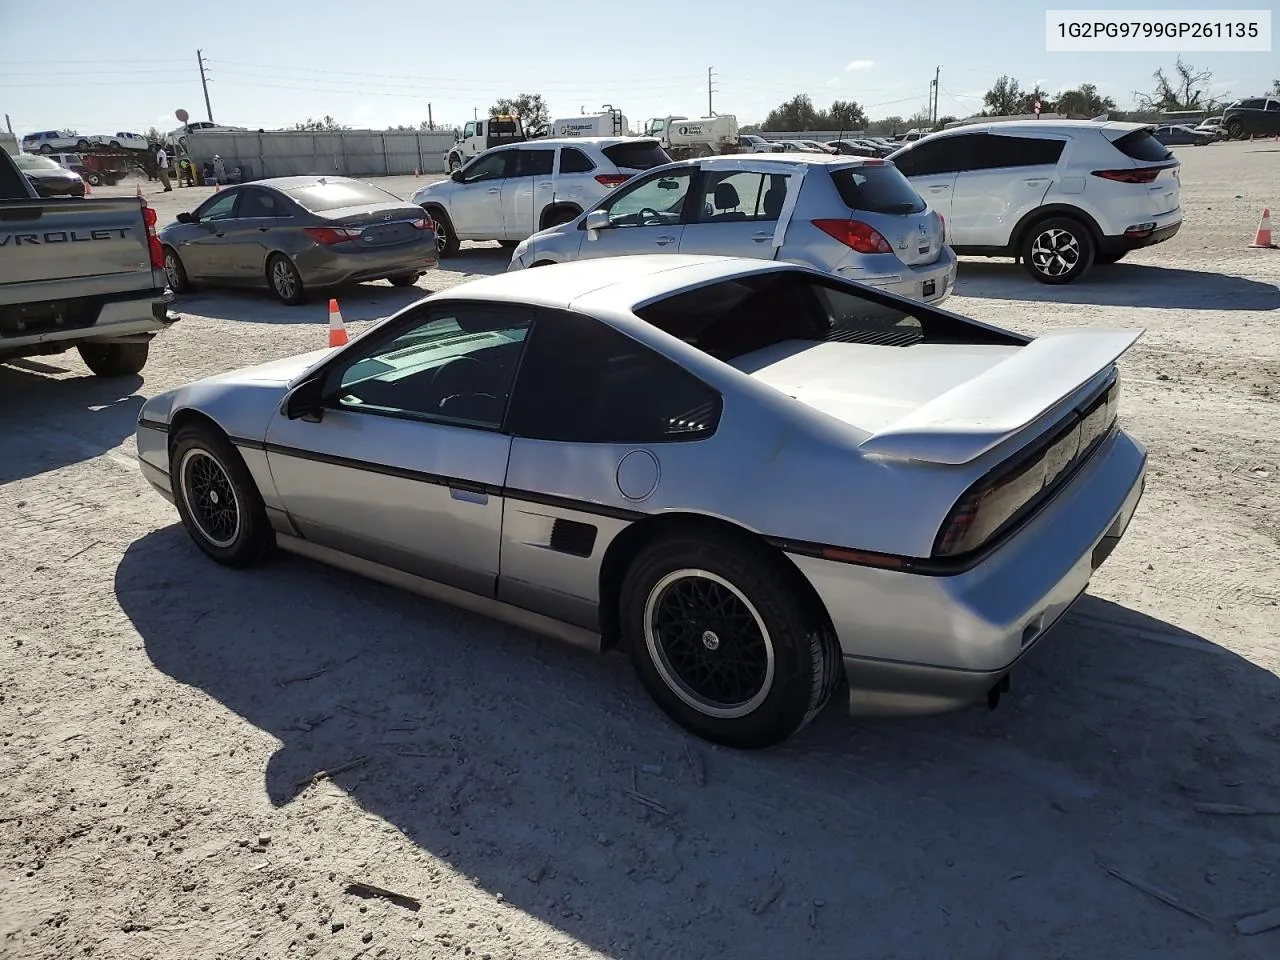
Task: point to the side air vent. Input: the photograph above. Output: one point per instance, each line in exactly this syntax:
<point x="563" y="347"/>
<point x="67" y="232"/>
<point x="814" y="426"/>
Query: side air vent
<point x="573" y="538"/>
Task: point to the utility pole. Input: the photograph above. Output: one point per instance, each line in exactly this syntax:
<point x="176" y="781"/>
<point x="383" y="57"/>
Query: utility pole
<point x="933" y="109"/>
<point x="204" y="82"/>
<point x="710" y="112"/>
<point x="431" y="124"/>
<point x="8" y="124"/>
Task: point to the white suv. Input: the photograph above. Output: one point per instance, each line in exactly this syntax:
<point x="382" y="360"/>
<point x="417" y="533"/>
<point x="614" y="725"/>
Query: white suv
<point x="1057" y="195"/>
<point x="510" y="192"/>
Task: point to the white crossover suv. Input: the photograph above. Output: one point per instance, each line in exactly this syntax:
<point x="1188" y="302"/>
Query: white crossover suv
<point x="510" y="192"/>
<point x="1058" y="195"/>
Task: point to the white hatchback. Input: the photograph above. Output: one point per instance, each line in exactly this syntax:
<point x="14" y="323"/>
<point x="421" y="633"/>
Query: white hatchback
<point x="510" y="192"/>
<point x="1058" y="195"/>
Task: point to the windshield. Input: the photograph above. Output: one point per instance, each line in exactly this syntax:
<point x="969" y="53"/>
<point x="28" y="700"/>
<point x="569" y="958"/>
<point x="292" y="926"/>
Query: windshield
<point x="28" y="162"/>
<point x="333" y="194"/>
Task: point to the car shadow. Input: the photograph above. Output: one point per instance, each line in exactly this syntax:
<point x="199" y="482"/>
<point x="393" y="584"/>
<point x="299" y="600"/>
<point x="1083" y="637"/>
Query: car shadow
<point x="1120" y="285"/>
<point x="56" y="413"/>
<point x="547" y="775"/>
<point x="358" y="301"/>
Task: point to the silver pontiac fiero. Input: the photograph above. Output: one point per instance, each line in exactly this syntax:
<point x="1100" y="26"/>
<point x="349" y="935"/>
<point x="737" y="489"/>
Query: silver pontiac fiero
<point x="756" y="478"/>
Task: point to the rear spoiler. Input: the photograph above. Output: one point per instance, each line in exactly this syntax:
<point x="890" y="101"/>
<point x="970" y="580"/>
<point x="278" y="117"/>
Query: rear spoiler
<point x="967" y="421"/>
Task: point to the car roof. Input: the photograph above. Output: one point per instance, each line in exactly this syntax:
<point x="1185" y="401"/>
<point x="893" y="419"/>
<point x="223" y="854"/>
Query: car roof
<point x="819" y="159"/>
<point x="292" y="183"/>
<point x="1041" y="126"/>
<point x="579" y="141"/>
<point x="626" y="281"/>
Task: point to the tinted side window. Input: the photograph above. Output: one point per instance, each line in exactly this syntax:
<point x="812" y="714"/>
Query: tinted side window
<point x="219" y="207"/>
<point x="1273" y="105"/>
<point x="992" y="151"/>
<point x="535" y="163"/>
<point x="489" y="166"/>
<point x="877" y="188"/>
<point x="945" y="155"/>
<point x="12" y="184"/>
<point x="636" y="156"/>
<point x="260" y="203"/>
<point x="739" y="195"/>
<point x="584" y="382"/>
<point x="573" y="160"/>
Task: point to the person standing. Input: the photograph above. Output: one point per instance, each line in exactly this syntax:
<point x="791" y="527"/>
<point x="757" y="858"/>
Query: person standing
<point x="162" y="161"/>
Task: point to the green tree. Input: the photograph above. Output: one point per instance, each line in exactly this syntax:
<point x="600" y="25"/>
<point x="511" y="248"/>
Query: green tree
<point x="529" y="107"/>
<point x="324" y="124"/>
<point x="1004" y="97"/>
<point x="1027" y="102"/>
<point x="795" y="115"/>
<point x="845" y="115"/>
<point x="1085" y="101"/>
<point x="887" y="127"/>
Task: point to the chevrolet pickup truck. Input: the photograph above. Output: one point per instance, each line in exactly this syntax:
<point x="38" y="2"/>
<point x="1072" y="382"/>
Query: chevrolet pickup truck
<point x="81" y="273"/>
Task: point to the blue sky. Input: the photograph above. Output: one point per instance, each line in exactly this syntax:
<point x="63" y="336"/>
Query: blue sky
<point x="282" y="60"/>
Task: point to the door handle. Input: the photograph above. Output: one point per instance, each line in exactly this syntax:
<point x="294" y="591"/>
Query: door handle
<point x="1036" y="181"/>
<point x="263" y="229"/>
<point x="939" y="189"/>
<point x="219" y="234"/>
<point x="761" y="237"/>
<point x="467" y="492"/>
<point x="547" y="184"/>
<point x="495" y="189"/>
<point x="663" y="241"/>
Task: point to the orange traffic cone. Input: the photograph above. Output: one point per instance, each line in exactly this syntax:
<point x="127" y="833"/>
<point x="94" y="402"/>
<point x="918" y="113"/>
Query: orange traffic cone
<point x="337" y="329"/>
<point x="1263" y="238"/>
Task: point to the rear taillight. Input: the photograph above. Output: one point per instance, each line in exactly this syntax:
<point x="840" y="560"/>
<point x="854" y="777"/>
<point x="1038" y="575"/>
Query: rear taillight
<point x="153" y="242"/>
<point x="858" y="236"/>
<point x="1141" y="175"/>
<point x="331" y="235"/>
<point x="612" y="179"/>
<point x="423" y="223"/>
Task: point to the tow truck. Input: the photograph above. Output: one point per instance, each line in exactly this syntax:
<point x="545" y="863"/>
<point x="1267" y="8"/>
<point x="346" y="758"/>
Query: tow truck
<point x="480" y="135"/>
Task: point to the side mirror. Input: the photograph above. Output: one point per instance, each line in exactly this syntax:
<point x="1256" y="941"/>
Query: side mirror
<point x="596" y="220"/>
<point x="303" y="401"/>
<point x="186" y="218"/>
<point x="456" y="176"/>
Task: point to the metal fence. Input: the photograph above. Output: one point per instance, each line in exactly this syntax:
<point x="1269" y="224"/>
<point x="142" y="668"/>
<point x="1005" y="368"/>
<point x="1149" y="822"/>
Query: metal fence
<point x="348" y="153"/>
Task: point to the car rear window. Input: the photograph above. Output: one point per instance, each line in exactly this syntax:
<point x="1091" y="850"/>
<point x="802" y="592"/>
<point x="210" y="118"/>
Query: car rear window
<point x="318" y="197"/>
<point x="1142" y="145"/>
<point x="877" y="188"/>
<point x="636" y="156"/>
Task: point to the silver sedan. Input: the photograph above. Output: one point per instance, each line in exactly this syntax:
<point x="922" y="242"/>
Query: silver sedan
<point x="857" y="218"/>
<point x="295" y="235"/>
<point x="758" y="479"/>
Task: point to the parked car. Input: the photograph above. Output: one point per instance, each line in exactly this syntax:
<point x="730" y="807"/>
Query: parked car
<point x="68" y="161"/>
<point x="1179" y="134"/>
<point x="1253" y="117"/>
<point x="49" y="178"/>
<point x="296" y="235"/>
<point x="123" y="140"/>
<point x="51" y="141"/>
<point x="101" y="292"/>
<point x="854" y="218"/>
<point x="509" y="192"/>
<point x="178" y="135"/>
<point x="798" y="146"/>
<point x="565" y="450"/>
<point x="853" y="148"/>
<point x="1059" y="195"/>
<point x="1212" y="126"/>
<point x="750" y="143"/>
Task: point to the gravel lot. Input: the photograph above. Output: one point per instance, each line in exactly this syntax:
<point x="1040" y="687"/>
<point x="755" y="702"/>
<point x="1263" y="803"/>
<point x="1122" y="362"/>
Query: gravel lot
<point x="158" y="713"/>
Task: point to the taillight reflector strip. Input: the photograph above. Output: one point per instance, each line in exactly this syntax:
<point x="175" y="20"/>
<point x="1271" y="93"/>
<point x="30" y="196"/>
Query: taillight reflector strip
<point x="331" y="235"/>
<point x="612" y="179"/>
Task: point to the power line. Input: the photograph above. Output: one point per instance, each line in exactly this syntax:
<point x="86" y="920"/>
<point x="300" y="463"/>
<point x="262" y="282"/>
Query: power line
<point x="277" y="69"/>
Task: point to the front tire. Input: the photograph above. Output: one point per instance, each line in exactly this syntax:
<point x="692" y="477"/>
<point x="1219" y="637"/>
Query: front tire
<point x="404" y="279"/>
<point x="447" y="242"/>
<point x="82" y="145"/>
<point x="217" y="499"/>
<point x="285" y="281"/>
<point x="725" y="641"/>
<point x="1058" y="250"/>
<point x="93" y="178"/>
<point x="1235" y="130"/>
<point x="175" y="272"/>
<point x="114" y="359"/>
<point x="46" y="149"/>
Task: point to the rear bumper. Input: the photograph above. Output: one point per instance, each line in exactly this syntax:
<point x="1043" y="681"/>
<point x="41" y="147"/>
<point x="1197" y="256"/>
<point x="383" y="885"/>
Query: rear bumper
<point x="138" y="318"/>
<point x="915" y="644"/>
<point x="1166" y="227"/>
<point x="908" y="281"/>
<point x="326" y="268"/>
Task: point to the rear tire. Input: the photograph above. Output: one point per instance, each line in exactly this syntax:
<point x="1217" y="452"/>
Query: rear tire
<point x="46" y="149"/>
<point x="447" y="241"/>
<point x="560" y="216"/>
<point x="82" y="145"/>
<point x="217" y="499"/>
<point x="285" y="281"/>
<point x="1058" y="250"/>
<point x="404" y="279"/>
<point x="725" y="640"/>
<point x="114" y="359"/>
<point x="1235" y="130"/>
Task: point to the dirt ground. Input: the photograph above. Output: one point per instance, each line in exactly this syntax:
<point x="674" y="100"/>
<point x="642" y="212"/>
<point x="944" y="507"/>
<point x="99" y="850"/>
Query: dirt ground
<point x="160" y="716"/>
